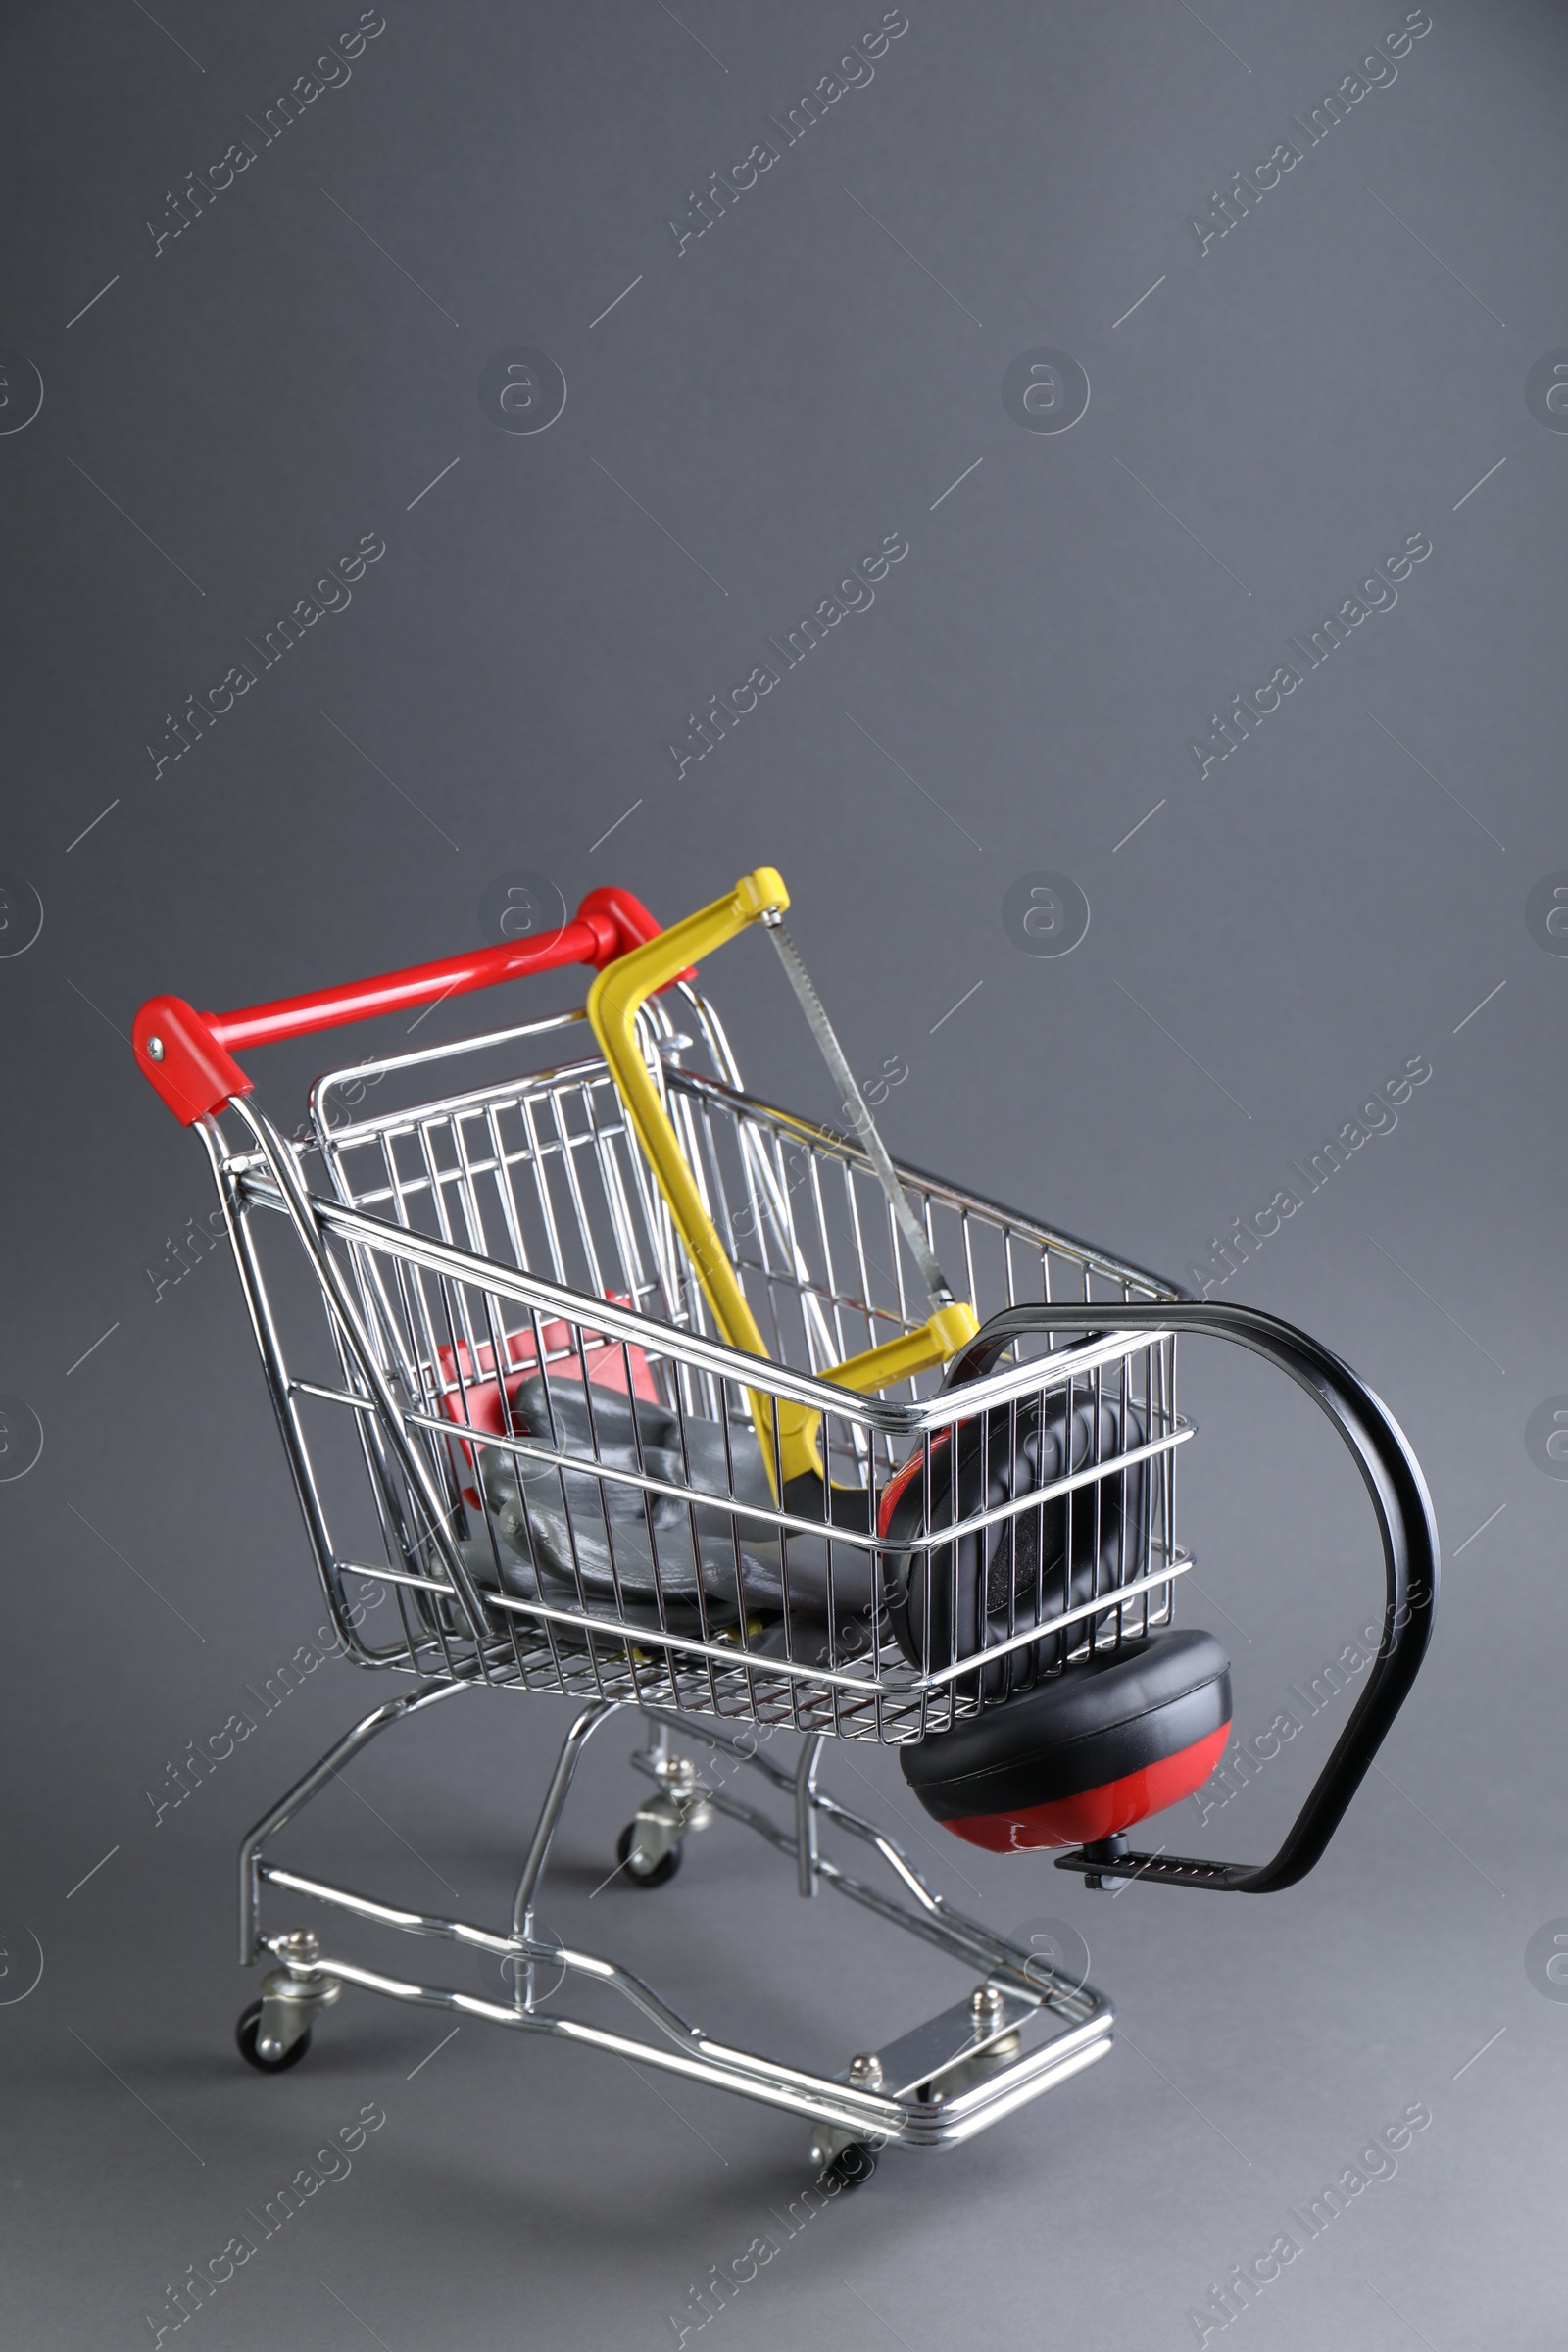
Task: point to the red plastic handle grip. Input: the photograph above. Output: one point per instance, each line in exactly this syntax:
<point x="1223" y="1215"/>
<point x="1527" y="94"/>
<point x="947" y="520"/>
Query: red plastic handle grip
<point x="186" y="1055"/>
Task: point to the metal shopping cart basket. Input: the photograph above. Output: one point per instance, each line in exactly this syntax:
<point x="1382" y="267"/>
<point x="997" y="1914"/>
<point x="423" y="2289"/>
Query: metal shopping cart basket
<point x="635" y="1388"/>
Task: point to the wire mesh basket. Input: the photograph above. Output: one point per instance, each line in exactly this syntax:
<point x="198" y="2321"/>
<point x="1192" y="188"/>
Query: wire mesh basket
<point x="607" y="1378"/>
<point x="570" y="1485"/>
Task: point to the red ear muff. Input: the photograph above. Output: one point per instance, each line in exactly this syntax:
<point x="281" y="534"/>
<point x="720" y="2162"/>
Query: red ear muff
<point x="1093" y="1749"/>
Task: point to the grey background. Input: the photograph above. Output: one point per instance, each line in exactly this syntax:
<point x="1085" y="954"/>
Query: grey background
<point x="1281" y="412"/>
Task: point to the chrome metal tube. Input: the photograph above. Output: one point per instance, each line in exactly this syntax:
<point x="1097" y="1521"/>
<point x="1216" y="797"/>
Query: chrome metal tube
<point x="310" y="1783"/>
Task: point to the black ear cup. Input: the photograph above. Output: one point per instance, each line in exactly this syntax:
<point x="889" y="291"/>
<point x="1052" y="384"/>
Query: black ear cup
<point x="1089" y="1752"/>
<point x="947" y="1601"/>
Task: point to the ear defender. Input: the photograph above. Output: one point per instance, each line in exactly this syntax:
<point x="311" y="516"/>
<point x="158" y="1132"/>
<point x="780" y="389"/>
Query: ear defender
<point x="1085" y="1754"/>
<point x="950" y="1601"/>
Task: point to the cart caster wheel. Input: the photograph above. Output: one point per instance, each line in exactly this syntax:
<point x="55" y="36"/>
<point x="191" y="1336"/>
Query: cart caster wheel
<point x="245" y="2034"/>
<point x="852" y="2165"/>
<point x="662" y="1871"/>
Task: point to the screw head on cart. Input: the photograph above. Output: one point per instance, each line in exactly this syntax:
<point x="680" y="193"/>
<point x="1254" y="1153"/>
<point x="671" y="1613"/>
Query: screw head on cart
<point x="155" y="1048"/>
<point x="865" y="2071"/>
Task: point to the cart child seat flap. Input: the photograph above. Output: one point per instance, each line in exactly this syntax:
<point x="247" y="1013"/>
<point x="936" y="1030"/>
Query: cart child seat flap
<point x="1099" y="1746"/>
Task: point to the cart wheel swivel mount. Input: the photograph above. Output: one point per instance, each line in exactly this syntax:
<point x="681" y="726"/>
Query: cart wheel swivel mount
<point x="611" y="1381"/>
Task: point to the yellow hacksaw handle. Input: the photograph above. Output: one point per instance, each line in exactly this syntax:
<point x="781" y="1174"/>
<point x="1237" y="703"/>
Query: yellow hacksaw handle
<point x="613" y="1002"/>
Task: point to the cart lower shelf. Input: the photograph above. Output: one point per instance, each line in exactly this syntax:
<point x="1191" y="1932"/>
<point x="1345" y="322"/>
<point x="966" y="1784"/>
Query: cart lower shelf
<point x="1022" y="2030"/>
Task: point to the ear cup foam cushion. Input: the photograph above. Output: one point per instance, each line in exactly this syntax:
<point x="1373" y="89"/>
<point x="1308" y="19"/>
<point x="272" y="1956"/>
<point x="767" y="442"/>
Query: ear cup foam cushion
<point x="947" y="1601"/>
<point x="1098" y="1747"/>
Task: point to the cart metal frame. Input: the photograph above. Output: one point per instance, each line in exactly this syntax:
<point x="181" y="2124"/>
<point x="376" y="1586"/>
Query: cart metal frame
<point x="510" y="1230"/>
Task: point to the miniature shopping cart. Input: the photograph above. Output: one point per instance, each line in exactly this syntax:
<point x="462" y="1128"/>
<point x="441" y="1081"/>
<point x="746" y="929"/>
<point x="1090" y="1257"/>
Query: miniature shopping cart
<point x="607" y="1378"/>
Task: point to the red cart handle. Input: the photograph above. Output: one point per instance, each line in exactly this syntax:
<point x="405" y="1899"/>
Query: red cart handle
<point x="186" y="1054"/>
